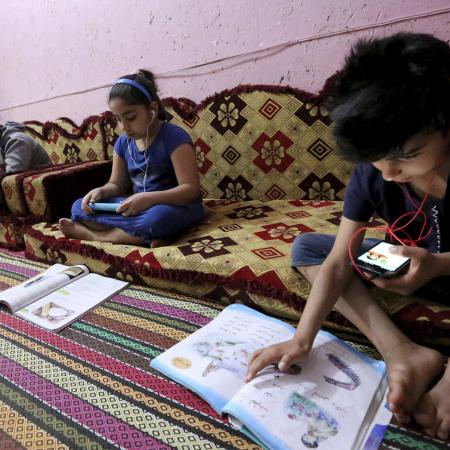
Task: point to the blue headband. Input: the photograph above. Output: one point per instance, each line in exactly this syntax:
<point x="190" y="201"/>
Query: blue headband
<point x="136" y="85"/>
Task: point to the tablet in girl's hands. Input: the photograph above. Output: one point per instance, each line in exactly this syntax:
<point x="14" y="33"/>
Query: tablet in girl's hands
<point x="104" y="207"/>
<point x="381" y="261"/>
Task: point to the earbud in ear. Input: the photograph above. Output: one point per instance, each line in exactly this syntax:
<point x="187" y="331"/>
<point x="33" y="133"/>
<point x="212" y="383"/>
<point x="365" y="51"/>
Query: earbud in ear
<point x="153" y="114"/>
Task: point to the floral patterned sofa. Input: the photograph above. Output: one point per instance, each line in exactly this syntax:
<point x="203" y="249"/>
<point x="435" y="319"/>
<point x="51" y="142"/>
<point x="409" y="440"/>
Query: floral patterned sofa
<point x="32" y="196"/>
<point x="268" y="173"/>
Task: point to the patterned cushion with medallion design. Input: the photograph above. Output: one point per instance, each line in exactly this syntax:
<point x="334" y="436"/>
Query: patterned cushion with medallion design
<point x="268" y="172"/>
<point x="31" y="195"/>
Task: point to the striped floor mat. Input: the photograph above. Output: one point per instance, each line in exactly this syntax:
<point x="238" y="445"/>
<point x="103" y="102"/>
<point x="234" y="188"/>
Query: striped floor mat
<point x="90" y="386"/>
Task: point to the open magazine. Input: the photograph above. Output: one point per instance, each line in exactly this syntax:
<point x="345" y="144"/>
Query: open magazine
<point x="334" y="400"/>
<point x="56" y="297"/>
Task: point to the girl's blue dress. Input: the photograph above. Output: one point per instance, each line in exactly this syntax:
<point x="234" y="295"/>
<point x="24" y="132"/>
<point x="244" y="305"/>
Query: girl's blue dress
<point x="149" y="171"/>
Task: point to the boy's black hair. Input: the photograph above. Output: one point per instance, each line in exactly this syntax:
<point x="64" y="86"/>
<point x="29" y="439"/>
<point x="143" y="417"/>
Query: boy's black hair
<point x="389" y="90"/>
<point x="133" y="96"/>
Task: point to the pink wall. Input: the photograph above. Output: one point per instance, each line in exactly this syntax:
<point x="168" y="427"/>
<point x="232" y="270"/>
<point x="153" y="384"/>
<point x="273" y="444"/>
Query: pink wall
<point x="59" y="56"/>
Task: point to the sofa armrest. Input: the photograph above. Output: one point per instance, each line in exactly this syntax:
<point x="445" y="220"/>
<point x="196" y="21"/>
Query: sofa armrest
<point x="12" y="188"/>
<point x="51" y="195"/>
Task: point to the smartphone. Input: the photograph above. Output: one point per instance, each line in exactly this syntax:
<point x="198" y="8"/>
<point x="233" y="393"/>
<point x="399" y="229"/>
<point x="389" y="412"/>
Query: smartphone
<point x="104" y="207"/>
<point x="380" y="261"/>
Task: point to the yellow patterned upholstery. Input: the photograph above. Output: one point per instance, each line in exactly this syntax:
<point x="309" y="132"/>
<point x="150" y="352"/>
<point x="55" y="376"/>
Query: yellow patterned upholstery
<point x="241" y="253"/>
<point x="13" y="194"/>
<point x="265" y="146"/>
<point x="70" y="146"/>
<point x="241" y="246"/>
<point x="66" y="143"/>
<point x="40" y="186"/>
<point x="268" y="172"/>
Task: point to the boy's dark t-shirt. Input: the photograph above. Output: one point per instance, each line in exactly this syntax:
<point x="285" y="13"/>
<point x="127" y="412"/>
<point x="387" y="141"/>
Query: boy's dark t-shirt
<point x="368" y="193"/>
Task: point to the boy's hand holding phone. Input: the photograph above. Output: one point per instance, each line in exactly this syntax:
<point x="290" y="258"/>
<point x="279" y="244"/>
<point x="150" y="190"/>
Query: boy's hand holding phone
<point x="380" y="261"/>
<point x="421" y="269"/>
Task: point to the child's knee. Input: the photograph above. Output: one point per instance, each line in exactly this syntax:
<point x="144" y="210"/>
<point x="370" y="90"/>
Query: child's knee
<point x="311" y="249"/>
<point x="166" y="220"/>
<point x="304" y="240"/>
<point x="76" y="207"/>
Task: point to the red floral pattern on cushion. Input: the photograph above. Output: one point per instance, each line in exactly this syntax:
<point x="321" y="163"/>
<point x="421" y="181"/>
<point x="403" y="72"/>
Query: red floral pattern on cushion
<point x="282" y="231"/>
<point x="201" y="152"/>
<point x="273" y="152"/>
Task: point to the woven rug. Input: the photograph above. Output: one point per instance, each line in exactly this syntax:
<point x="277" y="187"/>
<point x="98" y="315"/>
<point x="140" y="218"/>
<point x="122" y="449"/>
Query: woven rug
<point x="90" y="386"/>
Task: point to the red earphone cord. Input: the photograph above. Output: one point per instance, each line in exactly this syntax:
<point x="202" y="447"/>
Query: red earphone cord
<point x="393" y="229"/>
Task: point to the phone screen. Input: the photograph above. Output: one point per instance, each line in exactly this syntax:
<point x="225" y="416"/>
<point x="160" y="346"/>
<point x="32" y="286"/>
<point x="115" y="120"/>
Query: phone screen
<point x="381" y="260"/>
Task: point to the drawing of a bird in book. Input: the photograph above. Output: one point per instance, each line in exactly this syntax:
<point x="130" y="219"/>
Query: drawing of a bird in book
<point x="225" y="355"/>
<point x="321" y="425"/>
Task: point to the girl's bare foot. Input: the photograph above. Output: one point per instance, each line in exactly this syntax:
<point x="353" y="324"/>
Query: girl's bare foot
<point x="411" y="368"/>
<point x="433" y="410"/>
<point x="75" y="230"/>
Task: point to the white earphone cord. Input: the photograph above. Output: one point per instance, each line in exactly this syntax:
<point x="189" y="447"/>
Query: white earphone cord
<point x="145" y="156"/>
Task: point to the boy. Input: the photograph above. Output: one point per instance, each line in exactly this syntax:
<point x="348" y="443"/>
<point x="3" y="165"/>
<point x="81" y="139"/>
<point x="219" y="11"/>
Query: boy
<point x="18" y="151"/>
<point x="391" y="114"/>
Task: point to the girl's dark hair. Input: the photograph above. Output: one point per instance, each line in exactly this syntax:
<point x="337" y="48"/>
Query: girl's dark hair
<point x="389" y="90"/>
<point x="133" y="96"/>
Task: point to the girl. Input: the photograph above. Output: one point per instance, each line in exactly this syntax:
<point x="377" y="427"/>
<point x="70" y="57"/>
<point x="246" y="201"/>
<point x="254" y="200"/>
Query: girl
<point x="157" y="159"/>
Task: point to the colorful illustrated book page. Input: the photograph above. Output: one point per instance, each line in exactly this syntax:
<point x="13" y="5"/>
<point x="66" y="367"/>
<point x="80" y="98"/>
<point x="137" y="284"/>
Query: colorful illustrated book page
<point x="334" y="400"/>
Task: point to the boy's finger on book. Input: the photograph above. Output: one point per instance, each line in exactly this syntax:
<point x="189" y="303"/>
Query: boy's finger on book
<point x="287" y="361"/>
<point x="253" y="369"/>
<point x="258" y="363"/>
<point x="254" y="356"/>
<point x="284" y="365"/>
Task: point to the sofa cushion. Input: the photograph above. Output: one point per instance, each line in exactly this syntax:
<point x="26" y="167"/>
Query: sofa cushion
<point x="240" y="245"/>
<point x="11" y="229"/>
<point x="51" y="194"/>
<point x="13" y="195"/>
<point x="25" y="195"/>
<point x="240" y="253"/>
<point x="67" y="143"/>
<point x="13" y="189"/>
<point x="263" y="143"/>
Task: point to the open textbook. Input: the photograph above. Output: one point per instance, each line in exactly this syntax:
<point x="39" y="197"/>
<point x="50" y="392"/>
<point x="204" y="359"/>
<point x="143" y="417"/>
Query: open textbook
<point x="334" y="400"/>
<point x="56" y="297"/>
